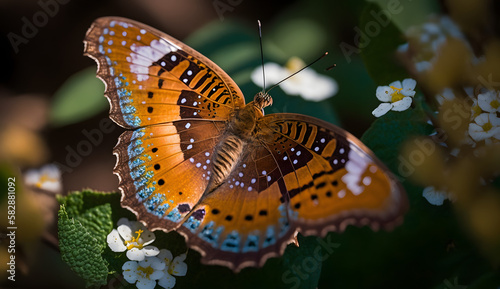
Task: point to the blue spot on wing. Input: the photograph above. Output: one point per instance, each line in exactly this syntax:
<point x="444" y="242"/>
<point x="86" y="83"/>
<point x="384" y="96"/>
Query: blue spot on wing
<point x="232" y="242"/>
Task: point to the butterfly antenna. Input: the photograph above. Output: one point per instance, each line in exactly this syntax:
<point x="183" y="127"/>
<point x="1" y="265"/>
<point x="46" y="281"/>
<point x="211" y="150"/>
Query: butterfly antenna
<point x="319" y="58"/>
<point x="262" y="57"/>
<point x="331" y="67"/>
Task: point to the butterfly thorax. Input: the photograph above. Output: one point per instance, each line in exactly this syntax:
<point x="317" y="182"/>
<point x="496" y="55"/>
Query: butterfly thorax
<point x="231" y="147"/>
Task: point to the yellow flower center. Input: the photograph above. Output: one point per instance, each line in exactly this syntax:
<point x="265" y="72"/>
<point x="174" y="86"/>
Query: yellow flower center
<point x="43" y="179"/>
<point x="495" y="104"/>
<point x="487" y="126"/>
<point x="294" y="64"/>
<point x="396" y="95"/>
<point x="145" y="271"/>
<point x="135" y="241"/>
<point x="476" y="110"/>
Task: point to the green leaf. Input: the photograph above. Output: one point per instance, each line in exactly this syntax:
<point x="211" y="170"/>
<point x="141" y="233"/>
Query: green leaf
<point x="79" y="98"/>
<point x="303" y="264"/>
<point x="301" y="37"/>
<point x="80" y="250"/>
<point x="386" y="135"/>
<point x="379" y="40"/>
<point x="407" y="13"/>
<point x="94" y="211"/>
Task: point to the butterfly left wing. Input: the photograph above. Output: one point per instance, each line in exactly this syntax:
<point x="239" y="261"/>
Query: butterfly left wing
<point x="153" y="78"/>
<point x="300" y="175"/>
<point x="177" y="103"/>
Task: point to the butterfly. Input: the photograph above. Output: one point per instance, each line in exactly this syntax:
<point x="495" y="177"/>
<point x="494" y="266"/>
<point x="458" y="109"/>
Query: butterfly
<point x="237" y="184"/>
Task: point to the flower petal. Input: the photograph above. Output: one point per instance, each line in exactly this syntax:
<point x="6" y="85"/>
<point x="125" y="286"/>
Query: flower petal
<point x="396" y="84"/>
<point x="115" y="242"/>
<point x="382" y="109"/>
<point x="409" y="84"/>
<point x="125" y="232"/>
<point x="135" y="254"/>
<point x="445" y="95"/>
<point x="157" y="263"/>
<point x="274" y="73"/>
<point x="322" y="88"/>
<point x="178" y="269"/>
<point x="123" y="221"/>
<point x="476" y="132"/>
<point x="485" y="99"/>
<point x="482" y="119"/>
<point x="167" y="281"/>
<point x="51" y="186"/>
<point x="147" y="237"/>
<point x="157" y="274"/>
<point x="150" y="251"/>
<point x="403" y="104"/>
<point x="423" y="66"/>
<point x="434" y="197"/>
<point x="383" y="93"/>
<point x="130" y="271"/>
<point x="165" y="256"/>
<point x="494" y="120"/>
<point x="144" y="283"/>
<point x="147" y="262"/>
<point x="178" y="266"/>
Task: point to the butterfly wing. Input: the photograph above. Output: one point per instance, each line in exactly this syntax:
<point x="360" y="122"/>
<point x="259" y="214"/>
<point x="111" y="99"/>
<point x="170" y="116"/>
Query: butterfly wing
<point x="177" y="101"/>
<point x="301" y="175"/>
<point x="153" y="78"/>
<point x="244" y="221"/>
<point x="332" y="178"/>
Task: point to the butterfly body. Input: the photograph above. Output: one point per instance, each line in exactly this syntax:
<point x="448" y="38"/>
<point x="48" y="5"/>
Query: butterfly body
<point x="238" y="185"/>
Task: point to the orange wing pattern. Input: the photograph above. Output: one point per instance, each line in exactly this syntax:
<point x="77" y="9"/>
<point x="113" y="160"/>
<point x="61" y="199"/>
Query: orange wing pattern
<point x="153" y="78"/>
<point x="178" y="102"/>
<point x="304" y="175"/>
<point x="293" y="174"/>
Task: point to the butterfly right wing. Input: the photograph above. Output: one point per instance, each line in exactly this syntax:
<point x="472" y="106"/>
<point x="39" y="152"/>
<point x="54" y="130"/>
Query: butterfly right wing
<point x="300" y="175"/>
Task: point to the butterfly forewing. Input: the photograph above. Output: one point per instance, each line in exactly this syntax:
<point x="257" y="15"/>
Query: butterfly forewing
<point x="153" y="78"/>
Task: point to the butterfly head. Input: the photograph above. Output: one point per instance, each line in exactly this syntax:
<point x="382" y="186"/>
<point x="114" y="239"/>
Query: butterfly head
<point x="262" y="99"/>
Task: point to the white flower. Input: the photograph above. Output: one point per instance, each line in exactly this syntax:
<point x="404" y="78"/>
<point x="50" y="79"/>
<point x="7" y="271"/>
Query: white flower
<point x="47" y="178"/>
<point x="175" y="267"/>
<point x="435" y="197"/>
<point x="489" y="101"/>
<point x="309" y="84"/>
<point x="445" y="95"/>
<point x="134" y="237"/>
<point x="426" y="40"/>
<point x="144" y="273"/>
<point x="485" y="127"/>
<point x="396" y="96"/>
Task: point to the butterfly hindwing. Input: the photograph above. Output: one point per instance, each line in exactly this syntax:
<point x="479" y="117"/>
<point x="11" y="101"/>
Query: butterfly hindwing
<point x="164" y="169"/>
<point x="153" y="78"/>
<point x="245" y="220"/>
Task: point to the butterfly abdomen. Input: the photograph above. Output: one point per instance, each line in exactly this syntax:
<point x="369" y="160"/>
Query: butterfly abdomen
<point x="224" y="160"/>
<point x="230" y="149"/>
